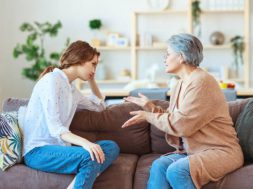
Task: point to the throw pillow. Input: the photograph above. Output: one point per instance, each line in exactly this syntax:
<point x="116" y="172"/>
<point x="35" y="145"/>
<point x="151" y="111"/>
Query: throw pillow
<point x="244" y="129"/>
<point x="10" y="140"/>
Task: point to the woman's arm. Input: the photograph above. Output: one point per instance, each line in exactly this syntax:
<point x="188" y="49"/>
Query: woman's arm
<point x="94" y="102"/>
<point x="196" y="110"/>
<point x="94" y="88"/>
<point x="92" y="148"/>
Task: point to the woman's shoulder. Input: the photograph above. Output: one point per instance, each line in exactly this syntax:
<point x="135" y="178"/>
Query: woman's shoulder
<point x="50" y="77"/>
<point x="202" y="77"/>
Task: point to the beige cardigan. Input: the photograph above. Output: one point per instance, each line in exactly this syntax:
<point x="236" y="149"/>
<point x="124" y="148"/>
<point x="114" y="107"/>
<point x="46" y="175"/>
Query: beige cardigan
<point x="206" y="128"/>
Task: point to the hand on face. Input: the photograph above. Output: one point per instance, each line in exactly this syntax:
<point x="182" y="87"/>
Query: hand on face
<point x="139" y="116"/>
<point x="139" y="101"/>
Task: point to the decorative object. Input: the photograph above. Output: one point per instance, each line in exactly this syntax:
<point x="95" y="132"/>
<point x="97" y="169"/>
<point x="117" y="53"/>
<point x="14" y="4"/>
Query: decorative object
<point x="124" y="75"/>
<point x="146" y="40"/>
<point x="159" y="4"/>
<point x="34" y="49"/>
<point x="10" y="140"/>
<point x="95" y="25"/>
<point x="152" y="72"/>
<point x="112" y="39"/>
<point x="100" y="71"/>
<point x="217" y="38"/>
<point x="196" y="12"/>
<point x="238" y="47"/>
<point x="122" y="42"/>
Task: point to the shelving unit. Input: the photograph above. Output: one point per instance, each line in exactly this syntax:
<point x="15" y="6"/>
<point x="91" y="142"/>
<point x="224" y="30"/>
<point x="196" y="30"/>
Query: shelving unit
<point x="135" y="50"/>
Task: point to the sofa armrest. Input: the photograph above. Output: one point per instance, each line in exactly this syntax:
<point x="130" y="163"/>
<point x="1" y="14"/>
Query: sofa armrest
<point x="13" y="104"/>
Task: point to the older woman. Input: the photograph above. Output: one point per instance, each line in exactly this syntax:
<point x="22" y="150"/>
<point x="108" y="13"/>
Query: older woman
<point x="197" y="123"/>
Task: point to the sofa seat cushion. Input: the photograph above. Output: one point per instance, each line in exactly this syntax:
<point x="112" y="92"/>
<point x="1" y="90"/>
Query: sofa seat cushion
<point x="119" y="175"/>
<point x="142" y="170"/>
<point x="240" y="178"/>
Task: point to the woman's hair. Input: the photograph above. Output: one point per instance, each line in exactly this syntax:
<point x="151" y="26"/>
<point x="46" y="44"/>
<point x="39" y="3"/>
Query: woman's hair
<point x="76" y="53"/>
<point x="188" y="46"/>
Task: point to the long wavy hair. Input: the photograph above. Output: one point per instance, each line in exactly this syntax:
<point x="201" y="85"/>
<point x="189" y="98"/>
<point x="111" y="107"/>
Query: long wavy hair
<point x="76" y="53"/>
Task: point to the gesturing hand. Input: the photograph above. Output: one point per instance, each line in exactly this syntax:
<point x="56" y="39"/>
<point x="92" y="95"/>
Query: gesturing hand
<point x="139" y="101"/>
<point x="95" y="150"/>
<point x="139" y="117"/>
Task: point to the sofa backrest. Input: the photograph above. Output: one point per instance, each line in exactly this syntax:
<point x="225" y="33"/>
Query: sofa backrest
<point x="158" y="143"/>
<point x="107" y="125"/>
<point x="139" y="139"/>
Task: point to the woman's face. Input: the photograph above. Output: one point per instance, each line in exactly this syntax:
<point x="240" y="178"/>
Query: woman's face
<point x="87" y="70"/>
<point x="172" y="61"/>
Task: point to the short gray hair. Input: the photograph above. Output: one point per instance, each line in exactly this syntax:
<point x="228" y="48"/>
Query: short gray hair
<point x="188" y="46"/>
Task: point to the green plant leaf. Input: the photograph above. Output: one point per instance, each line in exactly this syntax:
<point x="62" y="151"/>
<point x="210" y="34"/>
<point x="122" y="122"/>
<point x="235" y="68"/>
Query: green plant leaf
<point x="17" y="51"/>
<point x="26" y="27"/>
<point x="33" y="48"/>
<point x="31" y="38"/>
<point x="55" y="56"/>
<point x="95" y="24"/>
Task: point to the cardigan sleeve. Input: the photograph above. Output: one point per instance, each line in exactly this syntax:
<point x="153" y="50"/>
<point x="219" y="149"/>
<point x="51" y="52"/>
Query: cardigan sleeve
<point x="150" y="107"/>
<point x="196" y="110"/>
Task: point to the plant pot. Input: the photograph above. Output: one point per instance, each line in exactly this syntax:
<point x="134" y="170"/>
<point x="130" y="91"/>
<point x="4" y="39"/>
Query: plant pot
<point x="95" y="42"/>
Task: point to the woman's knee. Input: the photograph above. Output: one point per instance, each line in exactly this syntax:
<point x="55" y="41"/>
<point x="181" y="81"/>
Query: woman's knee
<point x="177" y="170"/>
<point x="159" y="165"/>
<point x="109" y="147"/>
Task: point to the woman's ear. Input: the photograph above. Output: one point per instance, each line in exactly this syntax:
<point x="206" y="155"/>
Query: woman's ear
<point x="180" y="59"/>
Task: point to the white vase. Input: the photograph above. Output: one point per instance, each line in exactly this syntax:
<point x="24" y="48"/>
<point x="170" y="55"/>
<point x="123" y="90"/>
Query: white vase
<point x="100" y="72"/>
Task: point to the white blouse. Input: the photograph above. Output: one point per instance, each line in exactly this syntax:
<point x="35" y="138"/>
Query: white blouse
<point x="51" y="109"/>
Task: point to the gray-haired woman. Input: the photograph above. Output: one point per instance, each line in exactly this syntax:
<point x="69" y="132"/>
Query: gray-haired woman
<point x="197" y="123"/>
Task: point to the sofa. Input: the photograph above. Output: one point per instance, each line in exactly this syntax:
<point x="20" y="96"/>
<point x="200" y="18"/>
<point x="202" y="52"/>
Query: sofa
<point x="139" y="145"/>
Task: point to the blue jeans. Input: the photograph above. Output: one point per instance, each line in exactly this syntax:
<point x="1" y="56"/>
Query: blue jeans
<point x="72" y="160"/>
<point x="170" y="171"/>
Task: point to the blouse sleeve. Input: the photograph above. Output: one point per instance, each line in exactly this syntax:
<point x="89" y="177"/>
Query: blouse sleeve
<point x="91" y="102"/>
<point x="51" y="109"/>
<point x="197" y="109"/>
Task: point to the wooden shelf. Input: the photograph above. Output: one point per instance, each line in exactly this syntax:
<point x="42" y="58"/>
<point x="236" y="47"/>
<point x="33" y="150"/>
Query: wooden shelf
<point x="221" y="11"/>
<point x="107" y="48"/>
<point x="245" y="92"/>
<point x="236" y="80"/>
<point x="185" y="14"/>
<point x="213" y="47"/>
<point x="161" y="12"/>
<point x="207" y="47"/>
<point x="113" y="81"/>
<point x="152" y="48"/>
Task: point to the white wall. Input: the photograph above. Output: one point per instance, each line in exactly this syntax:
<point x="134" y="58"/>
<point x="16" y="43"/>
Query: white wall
<point x="74" y="15"/>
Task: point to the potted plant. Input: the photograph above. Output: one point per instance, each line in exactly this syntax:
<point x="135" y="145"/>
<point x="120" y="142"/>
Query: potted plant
<point x="95" y="25"/>
<point x="34" y="50"/>
<point x="196" y="12"/>
<point x="238" y="46"/>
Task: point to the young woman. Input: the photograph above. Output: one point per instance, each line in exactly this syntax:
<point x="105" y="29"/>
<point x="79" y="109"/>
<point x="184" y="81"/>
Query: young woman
<point x="45" y="121"/>
<point x="197" y="123"/>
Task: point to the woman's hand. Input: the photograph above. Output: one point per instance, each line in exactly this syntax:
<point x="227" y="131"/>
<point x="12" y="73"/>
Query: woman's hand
<point x="139" y="101"/>
<point x="139" y="116"/>
<point x="95" y="151"/>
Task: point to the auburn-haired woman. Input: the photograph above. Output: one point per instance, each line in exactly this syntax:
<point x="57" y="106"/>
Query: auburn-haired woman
<point x="45" y="121"/>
